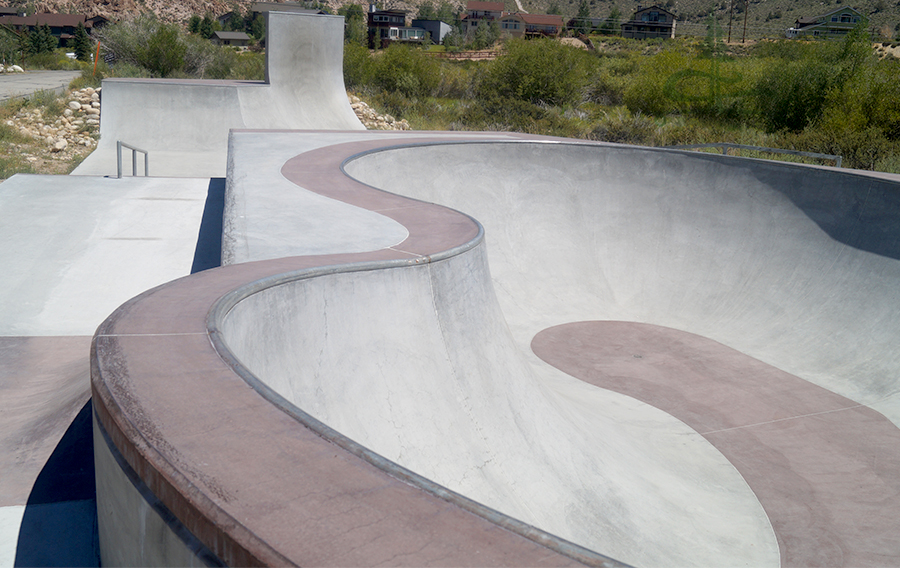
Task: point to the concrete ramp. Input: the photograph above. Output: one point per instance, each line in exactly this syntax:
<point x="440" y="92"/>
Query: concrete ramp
<point x="184" y="124"/>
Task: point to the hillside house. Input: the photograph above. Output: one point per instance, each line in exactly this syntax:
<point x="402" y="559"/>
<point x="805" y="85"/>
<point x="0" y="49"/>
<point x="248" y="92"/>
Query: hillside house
<point x="236" y="39"/>
<point x="531" y="25"/>
<point x="835" y="23"/>
<point x="481" y="14"/>
<point x="388" y="26"/>
<point x="649" y="23"/>
<point x="62" y="26"/>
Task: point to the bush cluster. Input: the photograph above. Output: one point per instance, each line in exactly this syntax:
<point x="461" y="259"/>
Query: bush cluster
<point x="146" y="46"/>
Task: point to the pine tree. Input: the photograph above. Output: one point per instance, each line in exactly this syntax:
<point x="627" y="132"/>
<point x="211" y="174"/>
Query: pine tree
<point x="83" y="44"/>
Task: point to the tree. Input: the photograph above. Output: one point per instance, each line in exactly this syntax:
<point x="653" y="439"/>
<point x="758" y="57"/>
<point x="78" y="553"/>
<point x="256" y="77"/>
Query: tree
<point x="445" y="13"/>
<point x="355" y="23"/>
<point x="42" y="40"/>
<point x="208" y="26"/>
<point x="611" y="25"/>
<point x="194" y="24"/>
<point x="554" y="8"/>
<point x="83" y="44"/>
<point x="583" y="18"/>
<point x="258" y="27"/>
<point x="427" y="11"/>
<point x="235" y="22"/>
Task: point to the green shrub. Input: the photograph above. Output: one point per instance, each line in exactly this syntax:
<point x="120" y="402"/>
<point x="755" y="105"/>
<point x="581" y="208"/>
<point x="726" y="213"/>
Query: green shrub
<point x="406" y="70"/>
<point x="539" y="71"/>
<point x="359" y="68"/>
<point x="164" y="51"/>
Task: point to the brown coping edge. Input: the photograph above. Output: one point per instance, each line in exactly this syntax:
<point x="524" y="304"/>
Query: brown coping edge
<point x="226" y="537"/>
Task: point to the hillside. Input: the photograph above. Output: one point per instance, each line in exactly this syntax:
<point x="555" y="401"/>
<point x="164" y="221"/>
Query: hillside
<point x="764" y="19"/>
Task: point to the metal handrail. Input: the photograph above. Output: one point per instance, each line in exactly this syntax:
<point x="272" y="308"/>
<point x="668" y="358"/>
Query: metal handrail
<point x="134" y="151"/>
<point x="725" y="146"/>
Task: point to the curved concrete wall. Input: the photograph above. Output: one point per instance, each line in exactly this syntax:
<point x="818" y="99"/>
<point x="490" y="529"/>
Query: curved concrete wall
<point x="417" y="365"/>
<point x="795" y="266"/>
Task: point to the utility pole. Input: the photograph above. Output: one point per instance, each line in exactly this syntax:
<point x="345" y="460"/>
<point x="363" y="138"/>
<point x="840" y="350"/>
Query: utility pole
<point x="730" y="18"/>
<point x="746" y="11"/>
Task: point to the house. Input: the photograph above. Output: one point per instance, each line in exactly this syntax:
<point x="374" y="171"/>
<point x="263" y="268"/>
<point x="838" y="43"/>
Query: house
<point x="650" y="23"/>
<point x="95" y="22"/>
<point x="531" y="25"/>
<point x="237" y="39"/>
<point x="436" y="28"/>
<point x="588" y="24"/>
<point x="481" y="14"/>
<point x="387" y="26"/>
<point x="62" y="26"/>
<point x="12" y="11"/>
<point x="835" y="23"/>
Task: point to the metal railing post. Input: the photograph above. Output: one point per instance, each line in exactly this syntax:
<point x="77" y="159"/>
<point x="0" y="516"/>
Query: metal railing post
<point x="134" y="151"/>
<point x="119" y="159"/>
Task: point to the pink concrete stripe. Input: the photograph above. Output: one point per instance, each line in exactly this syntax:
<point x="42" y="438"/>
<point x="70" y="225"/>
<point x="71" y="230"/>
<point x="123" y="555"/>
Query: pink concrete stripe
<point x="826" y="469"/>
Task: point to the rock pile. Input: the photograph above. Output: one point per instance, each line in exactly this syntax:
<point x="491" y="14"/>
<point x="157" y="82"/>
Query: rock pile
<point x="374" y="121"/>
<point x="78" y="125"/>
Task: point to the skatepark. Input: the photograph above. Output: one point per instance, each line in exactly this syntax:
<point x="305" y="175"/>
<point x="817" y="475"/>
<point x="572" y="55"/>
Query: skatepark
<point x="448" y="348"/>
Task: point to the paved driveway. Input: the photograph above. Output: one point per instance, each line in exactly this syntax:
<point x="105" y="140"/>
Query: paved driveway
<point x="20" y="84"/>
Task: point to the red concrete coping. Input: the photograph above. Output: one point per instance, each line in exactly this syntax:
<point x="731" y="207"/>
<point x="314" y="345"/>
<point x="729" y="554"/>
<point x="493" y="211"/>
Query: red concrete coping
<point x="253" y="483"/>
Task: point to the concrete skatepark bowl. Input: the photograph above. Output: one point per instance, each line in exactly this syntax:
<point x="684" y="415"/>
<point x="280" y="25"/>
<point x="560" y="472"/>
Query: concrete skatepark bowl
<point x="432" y="348"/>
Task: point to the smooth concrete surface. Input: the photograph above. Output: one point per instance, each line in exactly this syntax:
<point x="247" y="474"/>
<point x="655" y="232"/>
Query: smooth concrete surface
<point x="184" y="124"/>
<point x="10" y="520"/>
<point x="260" y="220"/>
<point x="13" y="85"/>
<point x="437" y="385"/>
<point x="84" y="245"/>
<point x="76" y="248"/>
<point x="794" y="266"/>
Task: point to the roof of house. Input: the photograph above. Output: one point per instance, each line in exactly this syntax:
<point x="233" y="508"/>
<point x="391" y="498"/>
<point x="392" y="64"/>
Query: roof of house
<point x="485" y="6"/>
<point x="232" y="35"/>
<point x="540" y="19"/>
<point x="816" y="19"/>
<point x="52" y="20"/>
<point x="654" y="8"/>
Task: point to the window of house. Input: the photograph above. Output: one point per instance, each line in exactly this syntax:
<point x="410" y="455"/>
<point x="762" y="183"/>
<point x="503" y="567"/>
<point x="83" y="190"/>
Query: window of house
<point x="834" y="18"/>
<point x="845" y="18"/>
